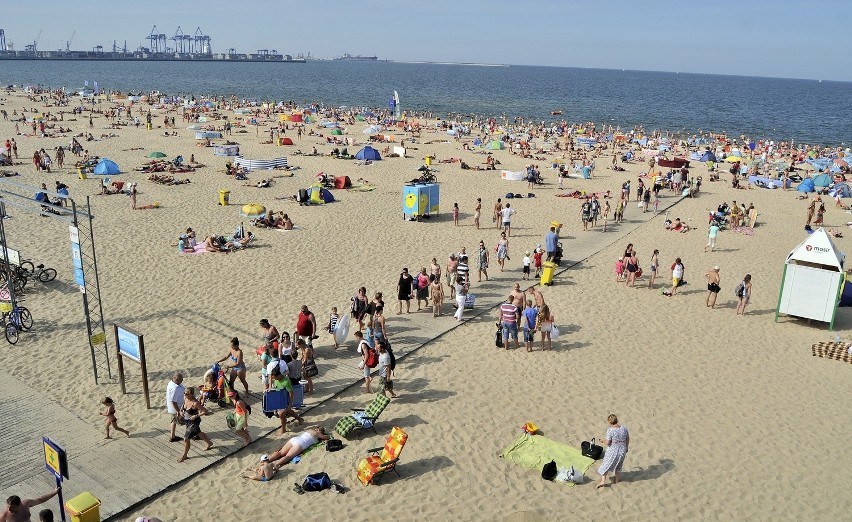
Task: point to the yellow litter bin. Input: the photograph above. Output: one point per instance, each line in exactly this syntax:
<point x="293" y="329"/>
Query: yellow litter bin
<point x="549" y="268"/>
<point x="428" y="160"/>
<point x="224" y="197"/>
<point x="557" y="225"/>
<point x="84" y="508"/>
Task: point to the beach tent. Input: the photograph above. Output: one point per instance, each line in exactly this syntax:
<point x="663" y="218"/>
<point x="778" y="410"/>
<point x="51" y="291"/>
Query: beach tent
<point x="812" y="281"/>
<point x="337" y="132"/>
<point x="368" y="153"/>
<point x="285" y="141"/>
<point x="296" y="117"/>
<point x="106" y="167"/>
<point x="156" y="154"/>
<point x="807" y="185"/>
<point x="318" y="195"/>
<point x="823" y="180"/>
<point x="477" y="142"/>
<point x="708" y="156"/>
<point x="494" y="145"/>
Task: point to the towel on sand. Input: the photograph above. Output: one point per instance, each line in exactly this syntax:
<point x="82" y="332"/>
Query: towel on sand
<point x="534" y="451"/>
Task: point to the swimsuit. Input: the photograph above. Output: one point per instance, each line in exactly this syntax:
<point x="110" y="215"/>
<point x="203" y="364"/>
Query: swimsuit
<point x="304" y="440"/>
<point x="236" y="368"/>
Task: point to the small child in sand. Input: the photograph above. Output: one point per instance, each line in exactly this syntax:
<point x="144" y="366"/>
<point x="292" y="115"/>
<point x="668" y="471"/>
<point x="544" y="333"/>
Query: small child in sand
<point x="527" y="262"/>
<point x="331" y="328"/>
<point x="264" y="471"/>
<point x="537" y="255"/>
<point x="456" y="214"/>
<point x="619" y="269"/>
<point x="109" y="413"/>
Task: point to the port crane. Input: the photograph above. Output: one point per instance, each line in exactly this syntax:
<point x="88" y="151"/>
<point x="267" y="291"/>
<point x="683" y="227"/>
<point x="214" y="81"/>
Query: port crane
<point x="68" y="42"/>
<point x="33" y="47"/>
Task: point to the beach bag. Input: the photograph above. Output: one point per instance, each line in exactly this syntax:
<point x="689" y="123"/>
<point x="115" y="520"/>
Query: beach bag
<point x="316" y="482"/>
<point x="231" y="420"/>
<point x="591" y="450"/>
<point x="510" y="195"/>
<point x="334" y="445"/>
<point x="575" y="476"/>
<point x="554" y="332"/>
<point x="740" y="290"/>
<point x="498" y="339"/>
<point x="548" y="472"/>
<point x="310" y="369"/>
<point x="372" y="357"/>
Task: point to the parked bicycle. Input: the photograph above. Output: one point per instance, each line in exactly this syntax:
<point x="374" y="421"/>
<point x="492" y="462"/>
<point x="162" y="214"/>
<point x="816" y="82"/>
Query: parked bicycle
<point x="28" y="271"/>
<point x="16" y="319"/>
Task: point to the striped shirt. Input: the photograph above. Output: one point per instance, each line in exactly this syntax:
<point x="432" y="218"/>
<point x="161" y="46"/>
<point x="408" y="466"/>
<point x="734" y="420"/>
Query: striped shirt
<point x="462" y="270"/>
<point x="508" y="313"/>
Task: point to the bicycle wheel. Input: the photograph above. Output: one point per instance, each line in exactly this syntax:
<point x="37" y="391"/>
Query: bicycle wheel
<point x="26" y="318"/>
<point x="27" y="267"/>
<point x="11" y="333"/>
<point x="47" y="275"/>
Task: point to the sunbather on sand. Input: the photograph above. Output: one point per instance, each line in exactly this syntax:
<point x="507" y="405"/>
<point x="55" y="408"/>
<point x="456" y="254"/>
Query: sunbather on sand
<point x="211" y="244"/>
<point x="237" y="244"/>
<point x="296" y="445"/>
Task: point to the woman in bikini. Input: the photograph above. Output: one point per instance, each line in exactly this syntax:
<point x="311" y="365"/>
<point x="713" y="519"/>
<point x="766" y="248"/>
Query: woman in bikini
<point x="296" y="445"/>
<point x="236" y="364"/>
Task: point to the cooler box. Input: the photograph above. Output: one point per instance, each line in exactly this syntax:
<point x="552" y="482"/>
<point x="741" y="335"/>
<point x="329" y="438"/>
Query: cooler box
<point x="276" y="400"/>
<point x="84" y="508"/>
<point x="469" y="301"/>
<point x="298" y="396"/>
<point x="547" y="272"/>
<point x="224" y="197"/>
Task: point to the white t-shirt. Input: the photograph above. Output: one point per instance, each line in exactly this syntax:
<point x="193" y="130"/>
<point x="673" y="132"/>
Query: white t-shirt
<point x="527" y="260"/>
<point x="384" y="364"/>
<point x="280" y="364"/>
<point x="677" y="271"/>
<point x="507" y="214"/>
<point x="174" y="393"/>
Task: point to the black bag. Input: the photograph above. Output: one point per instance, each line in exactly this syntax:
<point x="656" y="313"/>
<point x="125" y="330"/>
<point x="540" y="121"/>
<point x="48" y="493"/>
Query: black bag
<point x="548" y="472"/>
<point x="310" y="369"/>
<point x="334" y="445"/>
<point x="591" y="450"/>
<point x="498" y="338"/>
<point x="316" y="482"/>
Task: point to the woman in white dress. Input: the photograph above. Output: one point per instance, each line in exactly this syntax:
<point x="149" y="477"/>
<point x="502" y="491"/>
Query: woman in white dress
<point x="617" y="441"/>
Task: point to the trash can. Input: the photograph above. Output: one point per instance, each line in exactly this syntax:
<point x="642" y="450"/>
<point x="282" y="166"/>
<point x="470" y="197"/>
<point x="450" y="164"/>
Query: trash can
<point x="557" y="225"/>
<point x="549" y="268"/>
<point x="428" y="160"/>
<point x="224" y="196"/>
<point x="84" y="508"/>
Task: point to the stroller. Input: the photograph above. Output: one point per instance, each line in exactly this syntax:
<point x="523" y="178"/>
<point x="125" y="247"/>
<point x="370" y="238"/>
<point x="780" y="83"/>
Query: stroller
<point x="215" y="387"/>
<point x="557" y="255"/>
<point x="717" y="219"/>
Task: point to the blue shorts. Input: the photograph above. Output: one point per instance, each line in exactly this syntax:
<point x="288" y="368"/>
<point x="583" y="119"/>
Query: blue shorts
<point x="510" y="328"/>
<point x="528" y="335"/>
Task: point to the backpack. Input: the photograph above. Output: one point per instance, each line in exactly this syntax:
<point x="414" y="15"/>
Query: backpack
<point x="334" y="445"/>
<point x="740" y="290"/>
<point x="372" y="357"/>
<point x="316" y="482"/>
<point x="548" y="472"/>
<point x="357" y="306"/>
<point x="422" y="281"/>
<point x="387" y="346"/>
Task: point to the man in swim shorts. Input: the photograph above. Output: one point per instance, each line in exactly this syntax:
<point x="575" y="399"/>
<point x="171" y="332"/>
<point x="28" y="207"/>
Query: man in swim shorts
<point x="713" y="280"/>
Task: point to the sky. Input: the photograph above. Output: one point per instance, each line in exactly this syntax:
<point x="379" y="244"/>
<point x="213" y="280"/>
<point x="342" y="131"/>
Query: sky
<point x="782" y="38"/>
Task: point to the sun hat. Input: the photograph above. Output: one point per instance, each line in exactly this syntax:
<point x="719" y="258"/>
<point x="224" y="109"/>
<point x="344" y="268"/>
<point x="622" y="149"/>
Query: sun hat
<point x="716" y="268"/>
<point x="264" y="458"/>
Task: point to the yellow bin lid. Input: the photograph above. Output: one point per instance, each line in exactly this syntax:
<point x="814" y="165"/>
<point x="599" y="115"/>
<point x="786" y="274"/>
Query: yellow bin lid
<point x="82" y="503"/>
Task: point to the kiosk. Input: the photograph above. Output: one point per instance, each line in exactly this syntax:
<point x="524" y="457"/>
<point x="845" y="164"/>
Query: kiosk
<point x="420" y="199"/>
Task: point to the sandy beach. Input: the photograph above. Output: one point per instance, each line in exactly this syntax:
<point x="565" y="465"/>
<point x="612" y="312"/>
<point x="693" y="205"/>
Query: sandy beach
<point x="731" y="417"/>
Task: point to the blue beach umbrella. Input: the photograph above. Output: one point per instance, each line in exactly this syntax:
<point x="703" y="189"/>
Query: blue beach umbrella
<point x="107" y="167"/>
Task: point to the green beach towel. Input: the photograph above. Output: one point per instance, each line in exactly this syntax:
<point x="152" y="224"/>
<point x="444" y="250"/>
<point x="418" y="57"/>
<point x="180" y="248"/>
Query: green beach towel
<point x="534" y="451"/>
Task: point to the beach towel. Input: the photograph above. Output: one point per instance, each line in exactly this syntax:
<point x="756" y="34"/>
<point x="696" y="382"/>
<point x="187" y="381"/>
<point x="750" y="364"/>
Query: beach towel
<point x="362" y="188"/>
<point x="534" y="451"/>
<point x="832" y="350"/>
<point x="197" y="249"/>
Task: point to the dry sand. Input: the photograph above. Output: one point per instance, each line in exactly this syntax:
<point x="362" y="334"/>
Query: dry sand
<point x="730" y="417"/>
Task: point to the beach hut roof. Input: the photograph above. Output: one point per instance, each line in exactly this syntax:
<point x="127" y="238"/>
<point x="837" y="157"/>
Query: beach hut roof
<point x="817" y="249"/>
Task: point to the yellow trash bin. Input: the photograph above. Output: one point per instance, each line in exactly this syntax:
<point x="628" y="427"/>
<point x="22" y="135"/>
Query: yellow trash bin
<point x="84" y="508"/>
<point x="428" y="160"/>
<point x="549" y="268"/>
<point x="557" y="225"/>
<point x="224" y="197"/>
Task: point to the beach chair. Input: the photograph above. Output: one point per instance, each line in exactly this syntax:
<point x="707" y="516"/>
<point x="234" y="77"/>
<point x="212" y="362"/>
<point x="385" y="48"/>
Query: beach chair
<point x="372" y="467"/>
<point x="362" y="419"/>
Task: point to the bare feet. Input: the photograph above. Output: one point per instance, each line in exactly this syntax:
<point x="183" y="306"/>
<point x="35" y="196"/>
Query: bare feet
<point x="208" y="446"/>
<point x="181" y="459"/>
<point x="599" y="486"/>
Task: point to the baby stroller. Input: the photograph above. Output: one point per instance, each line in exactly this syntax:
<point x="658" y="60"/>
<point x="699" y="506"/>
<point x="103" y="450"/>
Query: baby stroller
<point x="215" y="387"/>
<point x="557" y="255"/>
<point x="716" y="219"/>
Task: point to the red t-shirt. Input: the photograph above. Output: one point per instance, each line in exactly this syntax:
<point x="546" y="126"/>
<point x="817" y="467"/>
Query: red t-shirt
<point x="537" y="259"/>
<point x="304" y="325"/>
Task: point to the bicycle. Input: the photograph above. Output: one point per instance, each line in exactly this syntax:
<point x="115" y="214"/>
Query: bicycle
<point x="45" y="275"/>
<point x="16" y="319"/>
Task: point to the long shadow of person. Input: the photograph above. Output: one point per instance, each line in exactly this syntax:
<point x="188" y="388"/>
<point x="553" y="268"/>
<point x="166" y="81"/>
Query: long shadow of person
<point x="652" y="472"/>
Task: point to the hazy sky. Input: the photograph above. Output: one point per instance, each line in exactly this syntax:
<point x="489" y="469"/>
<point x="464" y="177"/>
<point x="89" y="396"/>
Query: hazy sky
<point x="786" y="38"/>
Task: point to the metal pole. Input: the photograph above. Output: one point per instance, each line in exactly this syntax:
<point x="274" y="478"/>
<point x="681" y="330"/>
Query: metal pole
<point x="97" y="283"/>
<point x="85" y="300"/>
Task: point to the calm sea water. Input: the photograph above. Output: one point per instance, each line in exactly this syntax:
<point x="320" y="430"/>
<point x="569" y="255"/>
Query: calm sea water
<point x="808" y="111"/>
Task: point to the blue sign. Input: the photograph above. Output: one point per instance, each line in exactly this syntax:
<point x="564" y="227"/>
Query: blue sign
<point x="128" y="344"/>
<point x="55" y="459"/>
<point x="77" y="259"/>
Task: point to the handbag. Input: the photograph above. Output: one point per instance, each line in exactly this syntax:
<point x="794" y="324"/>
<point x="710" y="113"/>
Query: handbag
<point x="591" y="450"/>
<point x="548" y="472"/>
<point x="310" y="369"/>
<point x="554" y="332"/>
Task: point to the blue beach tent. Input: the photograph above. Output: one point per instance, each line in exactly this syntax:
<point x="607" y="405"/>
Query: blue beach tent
<point x="823" y="180"/>
<point x="368" y="153"/>
<point x="708" y="156"/>
<point x="107" y="167"/>
<point x="807" y="185"/>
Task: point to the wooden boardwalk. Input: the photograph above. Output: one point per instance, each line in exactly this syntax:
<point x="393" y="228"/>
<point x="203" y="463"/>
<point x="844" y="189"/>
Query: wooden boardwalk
<point x="125" y="471"/>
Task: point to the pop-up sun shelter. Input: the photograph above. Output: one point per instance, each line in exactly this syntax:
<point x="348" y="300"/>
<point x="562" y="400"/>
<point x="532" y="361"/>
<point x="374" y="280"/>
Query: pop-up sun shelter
<point x="813" y="279"/>
<point x="368" y="153"/>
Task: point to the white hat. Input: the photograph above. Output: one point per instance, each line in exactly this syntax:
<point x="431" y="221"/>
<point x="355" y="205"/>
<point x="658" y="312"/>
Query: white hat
<point x="716" y="268"/>
<point x="264" y="458"/>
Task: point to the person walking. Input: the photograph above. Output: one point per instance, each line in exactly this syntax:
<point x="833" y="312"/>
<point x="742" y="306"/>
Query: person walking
<point x="713" y="280"/>
<point x="111" y="420"/>
<point x="483" y="261"/>
<point x="462" y="287"/>
<point x="509" y="314"/>
<point x="743" y="294"/>
<point x="452" y="267"/>
<point x="497" y="218"/>
<point x="551" y="241"/>
<point x="618" y="442"/>
<point x="236" y="365"/>
<point x="404" y="291"/>
<point x="306" y="326"/>
<point x="436" y="295"/>
<point x="174" y="402"/>
<point x="507" y="214"/>
<point x="711" y="236"/>
<point x="192" y="411"/>
<point x="502" y="251"/>
<point x="477" y="212"/>
<point x="677" y="277"/>
<point x="655" y="264"/>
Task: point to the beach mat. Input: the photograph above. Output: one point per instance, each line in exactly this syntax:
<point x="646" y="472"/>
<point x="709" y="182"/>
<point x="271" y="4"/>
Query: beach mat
<point x="832" y="350"/>
<point x="534" y="451"/>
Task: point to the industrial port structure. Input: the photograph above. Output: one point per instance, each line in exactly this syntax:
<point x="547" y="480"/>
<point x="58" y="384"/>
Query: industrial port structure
<point x="184" y="47"/>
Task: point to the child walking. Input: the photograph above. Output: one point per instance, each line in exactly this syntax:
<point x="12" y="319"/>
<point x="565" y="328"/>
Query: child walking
<point x="109" y="413"/>
<point x="456" y="214"/>
<point x="331" y="328"/>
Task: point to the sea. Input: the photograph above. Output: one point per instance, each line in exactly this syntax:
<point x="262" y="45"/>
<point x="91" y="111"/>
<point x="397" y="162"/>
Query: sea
<point x="806" y="111"/>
